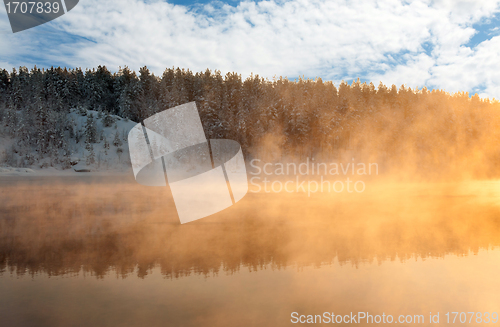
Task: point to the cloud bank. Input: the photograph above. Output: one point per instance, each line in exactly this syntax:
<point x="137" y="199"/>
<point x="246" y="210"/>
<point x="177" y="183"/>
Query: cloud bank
<point x="415" y="43"/>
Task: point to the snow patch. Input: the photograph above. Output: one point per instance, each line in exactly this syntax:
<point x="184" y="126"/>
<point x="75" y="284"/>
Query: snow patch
<point x="15" y="171"/>
<point x="110" y="150"/>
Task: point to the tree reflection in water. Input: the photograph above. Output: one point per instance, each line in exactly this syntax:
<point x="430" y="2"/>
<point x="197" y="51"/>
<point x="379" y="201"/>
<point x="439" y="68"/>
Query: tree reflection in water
<point x="100" y="226"/>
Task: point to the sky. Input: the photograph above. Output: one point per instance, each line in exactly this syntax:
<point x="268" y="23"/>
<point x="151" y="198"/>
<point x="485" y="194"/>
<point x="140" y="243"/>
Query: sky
<point x="452" y="45"/>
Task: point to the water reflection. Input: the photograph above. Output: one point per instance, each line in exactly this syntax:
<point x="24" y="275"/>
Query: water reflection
<point x="100" y="226"/>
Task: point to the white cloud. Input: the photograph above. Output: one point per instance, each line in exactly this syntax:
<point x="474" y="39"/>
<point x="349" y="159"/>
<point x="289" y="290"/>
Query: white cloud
<point x="292" y="38"/>
<point x="379" y="40"/>
<point x="477" y="69"/>
<point x="415" y="73"/>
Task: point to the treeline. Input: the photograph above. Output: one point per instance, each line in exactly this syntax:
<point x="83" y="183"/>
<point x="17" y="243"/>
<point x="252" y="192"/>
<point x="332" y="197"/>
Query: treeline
<point x="416" y="130"/>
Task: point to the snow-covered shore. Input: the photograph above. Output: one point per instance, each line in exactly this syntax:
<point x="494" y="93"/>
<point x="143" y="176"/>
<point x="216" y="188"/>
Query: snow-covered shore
<point x="51" y="171"/>
<point x="108" y="154"/>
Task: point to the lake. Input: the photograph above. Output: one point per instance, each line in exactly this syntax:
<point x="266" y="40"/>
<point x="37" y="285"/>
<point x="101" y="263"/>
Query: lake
<point x="105" y="251"/>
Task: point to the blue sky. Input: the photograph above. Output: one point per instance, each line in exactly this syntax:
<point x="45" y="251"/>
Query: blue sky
<point x="195" y="2"/>
<point x="444" y="44"/>
<point x="486" y="29"/>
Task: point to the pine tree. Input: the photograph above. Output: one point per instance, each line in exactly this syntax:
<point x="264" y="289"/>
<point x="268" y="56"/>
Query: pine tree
<point x="119" y="151"/>
<point x="117" y="141"/>
<point x="106" y="146"/>
<point x="88" y="145"/>
<point x="91" y="156"/>
<point x="108" y="120"/>
<point x="90" y="129"/>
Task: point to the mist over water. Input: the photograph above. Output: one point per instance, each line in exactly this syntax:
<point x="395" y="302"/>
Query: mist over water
<point x="116" y="225"/>
<point x="108" y="250"/>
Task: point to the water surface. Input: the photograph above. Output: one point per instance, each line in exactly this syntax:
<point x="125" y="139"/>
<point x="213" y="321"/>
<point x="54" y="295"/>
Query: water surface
<point x="94" y="251"/>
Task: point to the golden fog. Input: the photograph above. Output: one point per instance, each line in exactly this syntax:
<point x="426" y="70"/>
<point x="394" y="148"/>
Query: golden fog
<point x="104" y="225"/>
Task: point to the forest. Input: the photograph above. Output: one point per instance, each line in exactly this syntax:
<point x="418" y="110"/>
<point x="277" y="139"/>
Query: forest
<point x="410" y="132"/>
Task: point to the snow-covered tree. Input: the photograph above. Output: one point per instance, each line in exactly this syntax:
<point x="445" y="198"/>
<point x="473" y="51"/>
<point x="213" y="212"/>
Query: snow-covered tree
<point x="90" y="156"/>
<point x="90" y="129"/>
<point x="117" y="141"/>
